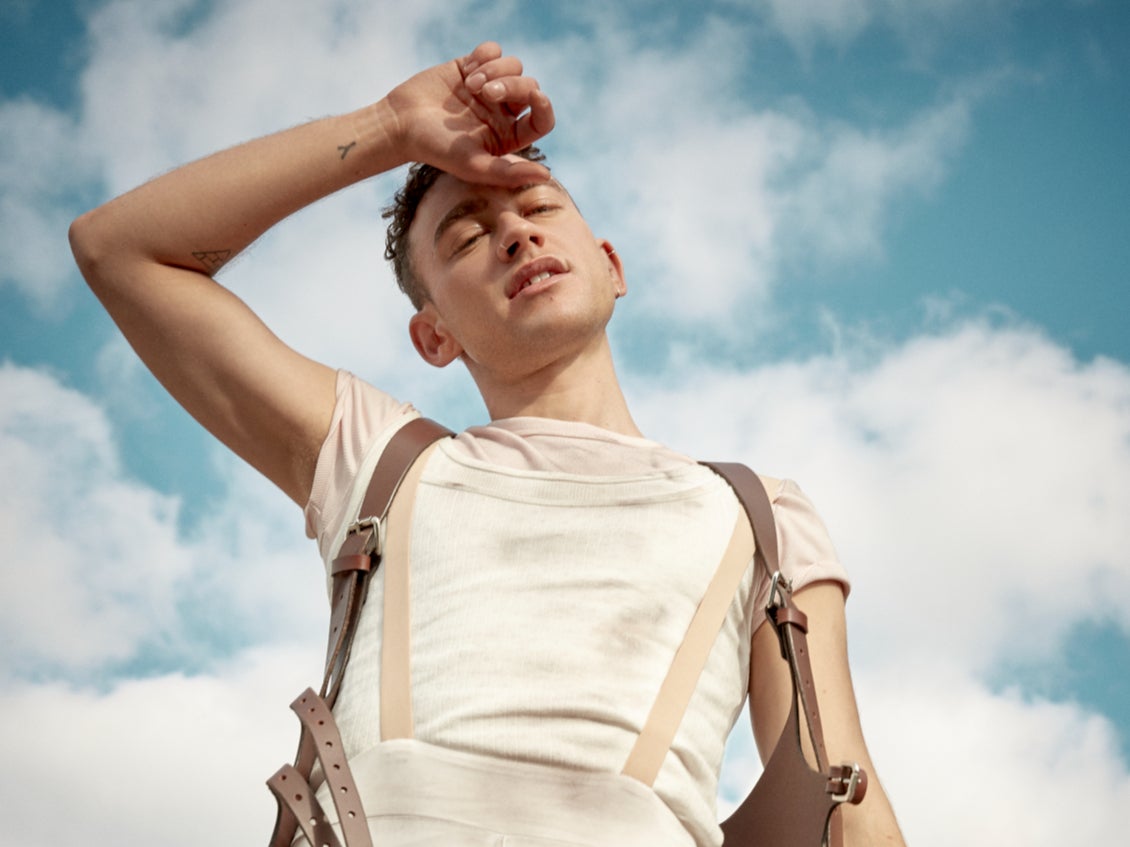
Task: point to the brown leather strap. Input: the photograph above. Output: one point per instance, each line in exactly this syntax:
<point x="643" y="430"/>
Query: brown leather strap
<point x="293" y="789"/>
<point x="791" y="805"/>
<point x="755" y="501"/>
<point x="362" y="547"/>
<point x="358" y="556"/>
<point x="654" y="740"/>
<point x="789" y="621"/>
<point x="303" y="811"/>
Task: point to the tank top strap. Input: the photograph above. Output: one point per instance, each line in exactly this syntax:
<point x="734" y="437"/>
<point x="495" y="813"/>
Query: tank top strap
<point x="647" y="755"/>
<point x="659" y="729"/>
<point x="396" y="673"/>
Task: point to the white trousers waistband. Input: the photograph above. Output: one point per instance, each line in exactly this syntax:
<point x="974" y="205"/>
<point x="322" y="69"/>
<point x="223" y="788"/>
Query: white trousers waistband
<point x="419" y="795"/>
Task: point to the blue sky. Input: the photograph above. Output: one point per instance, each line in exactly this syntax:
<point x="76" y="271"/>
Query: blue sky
<point x="878" y="247"/>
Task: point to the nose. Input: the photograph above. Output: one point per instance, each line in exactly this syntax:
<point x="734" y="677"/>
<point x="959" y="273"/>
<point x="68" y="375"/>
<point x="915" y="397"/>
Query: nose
<point x="516" y="233"/>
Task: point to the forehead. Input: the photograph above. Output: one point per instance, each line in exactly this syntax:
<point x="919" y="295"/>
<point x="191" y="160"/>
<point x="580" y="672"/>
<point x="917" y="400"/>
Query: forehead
<point x="450" y="198"/>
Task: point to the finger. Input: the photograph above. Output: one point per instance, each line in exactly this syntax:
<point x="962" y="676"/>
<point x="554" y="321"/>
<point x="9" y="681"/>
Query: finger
<point x="485" y="52"/>
<point x="508" y="171"/>
<point x="505" y="66"/>
<point x="513" y="90"/>
<point x="536" y="123"/>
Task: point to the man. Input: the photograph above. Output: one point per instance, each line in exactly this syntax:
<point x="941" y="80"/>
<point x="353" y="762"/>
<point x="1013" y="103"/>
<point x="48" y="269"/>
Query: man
<point x="556" y="554"/>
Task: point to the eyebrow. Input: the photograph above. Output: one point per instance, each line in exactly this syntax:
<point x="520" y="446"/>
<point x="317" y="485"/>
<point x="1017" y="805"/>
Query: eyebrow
<point x="475" y="205"/>
<point x="457" y="213"/>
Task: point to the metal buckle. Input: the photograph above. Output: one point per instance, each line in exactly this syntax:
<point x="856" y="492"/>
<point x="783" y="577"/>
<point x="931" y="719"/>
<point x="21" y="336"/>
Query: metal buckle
<point x="848" y="794"/>
<point x="778" y="586"/>
<point x="376" y="541"/>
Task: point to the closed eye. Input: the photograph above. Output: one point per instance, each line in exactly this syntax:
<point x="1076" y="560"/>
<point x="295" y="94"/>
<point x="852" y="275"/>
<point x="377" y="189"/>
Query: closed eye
<point x="542" y="208"/>
<point x="466" y="240"/>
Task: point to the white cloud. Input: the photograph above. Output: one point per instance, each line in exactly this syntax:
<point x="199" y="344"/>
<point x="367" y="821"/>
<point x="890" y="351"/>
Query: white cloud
<point x="43" y="164"/>
<point x="1020" y="772"/>
<point x="839" y="22"/>
<point x="96" y="570"/>
<point x="922" y="457"/>
<point x="169" y="760"/>
<point x="711" y="197"/>
<point x="837" y="208"/>
<point x="96" y="575"/>
<point x="161" y="89"/>
<point x="707" y="196"/>
<point x="971" y="478"/>
<point x="972" y="481"/>
<point x="91" y="557"/>
<point x="965" y="766"/>
<point x="836" y="20"/>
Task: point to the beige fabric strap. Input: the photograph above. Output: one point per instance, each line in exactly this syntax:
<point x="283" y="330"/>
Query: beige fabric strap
<point x="358" y="556"/>
<point x="361" y="550"/>
<point x="396" y="672"/>
<point x="646" y="757"/>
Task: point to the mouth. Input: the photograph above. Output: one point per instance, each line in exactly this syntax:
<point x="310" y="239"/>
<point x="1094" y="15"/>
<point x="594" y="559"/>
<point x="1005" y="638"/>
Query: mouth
<point x="533" y="274"/>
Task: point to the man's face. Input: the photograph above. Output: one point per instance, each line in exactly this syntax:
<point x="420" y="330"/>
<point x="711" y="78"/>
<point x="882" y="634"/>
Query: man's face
<point x="515" y="277"/>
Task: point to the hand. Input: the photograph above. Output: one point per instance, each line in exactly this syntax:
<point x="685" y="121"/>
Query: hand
<point x="469" y="115"/>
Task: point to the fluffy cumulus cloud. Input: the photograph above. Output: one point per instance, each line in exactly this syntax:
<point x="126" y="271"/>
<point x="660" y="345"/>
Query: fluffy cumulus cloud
<point x="712" y="198"/>
<point x="840" y="22"/>
<point x="961" y="473"/>
<point x="969" y="475"/>
<point x="95" y="556"/>
<point x="971" y="479"/>
<point x="694" y="184"/>
<point x="964" y="765"/>
<point x="100" y="574"/>
<point x="181" y="84"/>
<point x="921" y="456"/>
<point x="164" y="760"/>
<point x="102" y="599"/>
<point x="165" y="83"/>
<point x="44" y="164"/>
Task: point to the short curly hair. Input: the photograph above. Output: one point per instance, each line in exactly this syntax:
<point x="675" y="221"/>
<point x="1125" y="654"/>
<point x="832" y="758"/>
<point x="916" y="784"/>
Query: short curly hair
<point x="402" y="212"/>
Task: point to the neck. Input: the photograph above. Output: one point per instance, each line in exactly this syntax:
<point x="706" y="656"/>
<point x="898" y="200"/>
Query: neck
<point x="582" y="388"/>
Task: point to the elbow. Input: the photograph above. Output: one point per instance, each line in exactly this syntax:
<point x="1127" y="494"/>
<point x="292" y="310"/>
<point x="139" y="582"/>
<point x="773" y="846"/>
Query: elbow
<point x="84" y="244"/>
<point x="93" y="246"/>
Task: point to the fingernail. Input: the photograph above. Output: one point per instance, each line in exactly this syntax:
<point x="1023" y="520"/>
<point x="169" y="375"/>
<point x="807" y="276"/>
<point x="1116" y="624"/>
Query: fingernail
<point x="494" y="89"/>
<point x="475" y="81"/>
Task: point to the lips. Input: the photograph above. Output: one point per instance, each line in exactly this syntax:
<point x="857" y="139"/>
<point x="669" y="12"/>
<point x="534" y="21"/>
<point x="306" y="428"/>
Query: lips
<point x="531" y="273"/>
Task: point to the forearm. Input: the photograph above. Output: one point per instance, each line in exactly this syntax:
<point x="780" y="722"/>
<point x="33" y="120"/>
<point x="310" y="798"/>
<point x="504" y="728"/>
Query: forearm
<point x="201" y="215"/>
<point x="872" y="822"/>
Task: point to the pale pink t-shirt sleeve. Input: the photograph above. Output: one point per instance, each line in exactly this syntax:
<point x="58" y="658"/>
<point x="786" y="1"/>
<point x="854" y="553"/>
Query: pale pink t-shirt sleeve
<point x="361" y="413"/>
<point x="804" y="546"/>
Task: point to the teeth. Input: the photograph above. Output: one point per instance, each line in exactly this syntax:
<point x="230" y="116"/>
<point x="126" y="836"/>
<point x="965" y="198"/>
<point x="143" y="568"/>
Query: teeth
<point x="535" y="278"/>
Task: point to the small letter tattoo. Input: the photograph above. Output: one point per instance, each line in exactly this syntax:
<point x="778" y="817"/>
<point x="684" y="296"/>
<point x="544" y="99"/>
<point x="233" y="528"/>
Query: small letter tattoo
<point x="212" y="259"/>
<point x="346" y="148"/>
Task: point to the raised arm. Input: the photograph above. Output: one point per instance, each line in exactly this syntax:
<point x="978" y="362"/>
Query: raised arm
<point x="872" y="822"/>
<point x="149" y="255"/>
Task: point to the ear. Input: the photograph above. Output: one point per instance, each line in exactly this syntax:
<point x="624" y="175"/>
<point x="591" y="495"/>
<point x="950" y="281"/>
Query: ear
<point x="615" y="268"/>
<point x="431" y="338"/>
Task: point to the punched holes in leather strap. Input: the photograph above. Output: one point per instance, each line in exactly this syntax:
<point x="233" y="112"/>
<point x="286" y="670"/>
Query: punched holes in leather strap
<point x="294" y="793"/>
<point x="319" y="722"/>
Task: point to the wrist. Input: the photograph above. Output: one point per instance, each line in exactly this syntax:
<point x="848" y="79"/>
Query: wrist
<point x="379" y="141"/>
